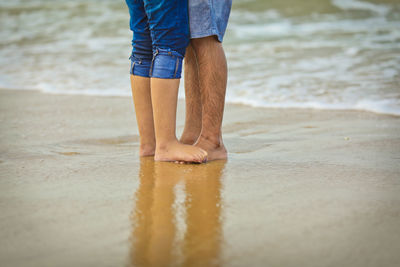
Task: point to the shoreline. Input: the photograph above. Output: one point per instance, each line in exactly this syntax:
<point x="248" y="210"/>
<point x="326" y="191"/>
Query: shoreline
<point x="227" y="103"/>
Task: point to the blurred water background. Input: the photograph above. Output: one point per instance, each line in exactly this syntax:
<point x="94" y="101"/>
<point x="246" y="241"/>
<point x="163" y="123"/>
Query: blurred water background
<point x="328" y="54"/>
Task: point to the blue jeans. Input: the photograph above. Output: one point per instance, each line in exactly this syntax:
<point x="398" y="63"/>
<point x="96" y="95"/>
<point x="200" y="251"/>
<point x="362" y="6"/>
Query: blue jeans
<point x="160" y="37"/>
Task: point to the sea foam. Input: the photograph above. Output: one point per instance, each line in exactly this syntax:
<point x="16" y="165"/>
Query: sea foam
<point x="346" y="57"/>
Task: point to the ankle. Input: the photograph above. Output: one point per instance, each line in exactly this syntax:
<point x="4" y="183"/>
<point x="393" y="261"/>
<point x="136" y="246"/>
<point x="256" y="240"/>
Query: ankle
<point x="148" y="145"/>
<point x="147" y="149"/>
<point x="165" y="144"/>
<point x="147" y="142"/>
<point x="189" y="137"/>
<point x="214" y="140"/>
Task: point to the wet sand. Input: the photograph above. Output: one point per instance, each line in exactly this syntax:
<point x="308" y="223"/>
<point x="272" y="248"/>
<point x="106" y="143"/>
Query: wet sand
<point x="300" y="188"/>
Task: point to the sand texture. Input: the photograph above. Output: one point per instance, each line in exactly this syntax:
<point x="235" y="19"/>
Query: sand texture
<point x="301" y="188"/>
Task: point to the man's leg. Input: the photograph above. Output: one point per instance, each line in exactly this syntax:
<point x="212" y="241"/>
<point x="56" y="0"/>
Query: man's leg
<point x="192" y="128"/>
<point x="144" y="114"/>
<point x="213" y="79"/>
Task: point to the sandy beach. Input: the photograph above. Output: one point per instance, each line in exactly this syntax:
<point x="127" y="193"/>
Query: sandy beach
<point x="301" y="187"/>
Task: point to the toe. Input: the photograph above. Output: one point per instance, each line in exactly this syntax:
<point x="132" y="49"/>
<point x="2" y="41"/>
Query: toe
<point x="202" y="158"/>
<point x="203" y="155"/>
<point x="196" y="158"/>
<point x="199" y="158"/>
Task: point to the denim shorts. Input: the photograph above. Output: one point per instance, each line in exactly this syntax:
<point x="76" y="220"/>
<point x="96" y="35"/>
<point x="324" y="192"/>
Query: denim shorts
<point x="160" y="37"/>
<point x="209" y="17"/>
<point x="164" y="64"/>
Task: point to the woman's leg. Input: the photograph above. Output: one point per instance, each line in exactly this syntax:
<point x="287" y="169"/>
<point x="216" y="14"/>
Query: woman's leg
<point x="141" y="58"/>
<point x="144" y="114"/>
<point x="168" y="20"/>
<point x="164" y="94"/>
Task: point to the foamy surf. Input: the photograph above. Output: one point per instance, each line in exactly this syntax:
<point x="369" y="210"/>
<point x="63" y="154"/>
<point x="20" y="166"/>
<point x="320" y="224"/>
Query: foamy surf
<point x="336" y="54"/>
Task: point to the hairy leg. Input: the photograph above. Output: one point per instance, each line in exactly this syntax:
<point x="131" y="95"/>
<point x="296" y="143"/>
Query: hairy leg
<point x="192" y="129"/>
<point x="164" y="97"/>
<point x="144" y="114"/>
<point x="213" y="79"/>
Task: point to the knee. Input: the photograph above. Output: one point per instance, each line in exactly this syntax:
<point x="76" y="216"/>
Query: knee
<point x="167" y="64"/>
<point x="205" y="43"/>
<point x="140" y="66"/>
<point x="141" y="58"/>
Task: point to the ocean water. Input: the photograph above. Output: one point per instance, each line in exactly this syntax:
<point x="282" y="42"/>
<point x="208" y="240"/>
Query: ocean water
<point x="324" y="54"/>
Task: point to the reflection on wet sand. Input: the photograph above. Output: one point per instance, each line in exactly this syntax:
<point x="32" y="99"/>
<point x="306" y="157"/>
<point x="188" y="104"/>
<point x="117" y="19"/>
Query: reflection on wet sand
<point x="177" y="216"/>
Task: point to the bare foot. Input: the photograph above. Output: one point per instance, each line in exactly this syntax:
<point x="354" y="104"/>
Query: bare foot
<point x="177" y="152"/>
<point x="147" y="150"/>
<point x="215" y="150"/>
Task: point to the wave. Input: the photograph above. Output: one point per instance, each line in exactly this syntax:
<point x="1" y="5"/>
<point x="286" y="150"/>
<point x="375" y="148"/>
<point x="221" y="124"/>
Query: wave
<point x="380" y="9"/>
<point x="382" y="106"/>
<point x="379" y="106"/>
<point x="342" y="55"/>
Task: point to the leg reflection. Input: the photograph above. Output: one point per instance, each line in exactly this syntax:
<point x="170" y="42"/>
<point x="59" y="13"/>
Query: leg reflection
<point x="163" y="229"/>
<point x="203" y="209"/>
<point x="141" y="216"/>
<point x="155" y="235"/>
